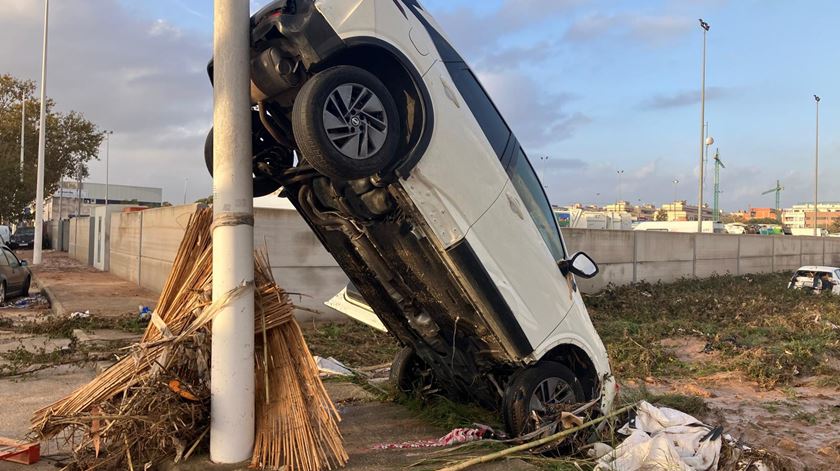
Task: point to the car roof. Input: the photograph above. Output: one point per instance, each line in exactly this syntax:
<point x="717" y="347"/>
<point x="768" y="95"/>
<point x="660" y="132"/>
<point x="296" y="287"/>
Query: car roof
<point x="817" y="268"/>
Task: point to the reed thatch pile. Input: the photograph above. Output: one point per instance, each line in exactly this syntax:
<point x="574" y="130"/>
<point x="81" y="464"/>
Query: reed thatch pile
<point x="153" y="404"/>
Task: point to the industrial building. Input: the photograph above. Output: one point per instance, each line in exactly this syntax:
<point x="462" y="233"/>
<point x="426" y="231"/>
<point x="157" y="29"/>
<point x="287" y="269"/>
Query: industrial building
<point x="73" y="199"/>
<point x="802" y="215"/>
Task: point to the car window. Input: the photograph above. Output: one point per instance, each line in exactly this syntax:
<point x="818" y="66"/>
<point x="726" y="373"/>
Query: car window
<point x="25" y="231"/>
<point x="4" y="262"/>
<point x="12" y="259"/>
<point x="531" y="192"/>
<point x="837" y="274"/>
<point x="482" y="107"/>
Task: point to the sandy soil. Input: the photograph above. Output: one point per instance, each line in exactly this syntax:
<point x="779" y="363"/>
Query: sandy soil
<point x="800" y="423"/>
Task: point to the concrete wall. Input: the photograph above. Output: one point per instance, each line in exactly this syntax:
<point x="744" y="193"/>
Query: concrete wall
<point x="631" y="256"/>
<point x="143" y="246"/>
<point x="81" y="235"/>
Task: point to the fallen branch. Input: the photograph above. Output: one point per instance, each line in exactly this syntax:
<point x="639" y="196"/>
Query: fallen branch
<point x="542" y="441"/>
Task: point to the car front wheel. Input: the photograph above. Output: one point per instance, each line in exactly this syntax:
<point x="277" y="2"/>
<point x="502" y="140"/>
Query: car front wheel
<point x="346" y="123"/>
<point x="538" y="388"/>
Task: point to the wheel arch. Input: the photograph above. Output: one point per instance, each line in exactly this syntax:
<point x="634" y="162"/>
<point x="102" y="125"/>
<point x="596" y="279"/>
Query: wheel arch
<point x="579" y="361"/>
<point x="386" y="61"/>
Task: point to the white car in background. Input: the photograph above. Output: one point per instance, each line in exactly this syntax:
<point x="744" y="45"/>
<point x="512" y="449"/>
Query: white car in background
<point x="818" y="278"/>
<point x="389" y="147"/>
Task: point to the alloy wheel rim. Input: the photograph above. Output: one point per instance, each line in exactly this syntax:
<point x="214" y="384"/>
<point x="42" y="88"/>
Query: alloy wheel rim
<point x="355" y="121"/>
<point x="551" y="391"/>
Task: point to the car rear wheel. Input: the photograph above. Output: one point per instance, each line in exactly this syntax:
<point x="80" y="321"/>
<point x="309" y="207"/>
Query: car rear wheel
<point x="265" y="154"/>
<point x="537" y="389"/>
<point x="2" y="292"/>
<point x="346" y="123"/>
<point x="409" y="373"/>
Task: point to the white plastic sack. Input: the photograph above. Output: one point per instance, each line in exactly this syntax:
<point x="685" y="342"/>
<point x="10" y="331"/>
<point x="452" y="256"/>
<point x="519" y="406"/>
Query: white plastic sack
<point x="663" y="439"/>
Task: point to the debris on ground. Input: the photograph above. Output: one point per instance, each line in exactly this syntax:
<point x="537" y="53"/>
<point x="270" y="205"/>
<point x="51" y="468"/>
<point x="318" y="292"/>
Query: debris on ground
<point x="664" y="438"/>
<point x="15" y="451"/>
<point x="80" y="315"/>
<point x="28" y="302"/>
<point x="144" y="314"/>
<point x="331" y="367"/>
<point x="456" y="436"/>
<point x="153" y="404"/>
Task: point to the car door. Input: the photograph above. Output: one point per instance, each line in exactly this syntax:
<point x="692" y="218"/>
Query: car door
<point x="836" y="277"/>
<point x="519" y="244"/>
<point x="16" y="274"/>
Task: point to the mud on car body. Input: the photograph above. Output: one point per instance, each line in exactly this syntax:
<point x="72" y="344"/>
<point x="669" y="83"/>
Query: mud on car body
<point x="391" y="150"/>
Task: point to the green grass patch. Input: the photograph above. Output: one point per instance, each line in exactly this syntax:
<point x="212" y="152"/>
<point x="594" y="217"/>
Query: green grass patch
<point x="752" y="324"/>
<point x="691" y="405"/>
<point x="447" y="414"/>
<point x="353" y="343"/>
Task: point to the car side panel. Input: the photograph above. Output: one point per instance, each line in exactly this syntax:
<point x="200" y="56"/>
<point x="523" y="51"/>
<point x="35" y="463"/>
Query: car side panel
<point x="349" y="18"/>
<point x="520" y="264"/>
<point x="459" y="156"/>
<point x="397" y="25"/>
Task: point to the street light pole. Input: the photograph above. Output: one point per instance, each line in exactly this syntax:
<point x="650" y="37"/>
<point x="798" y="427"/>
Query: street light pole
<point x="42" y="141"/>
<point x="705" y="27"/>
<point x="817" y="166"/>
<point x="107" y="165"/>
<point x="22" y="130"/>
<point x="674" y="204"/>
<point x="618" y="202"/>
<point x="232" y="363"/>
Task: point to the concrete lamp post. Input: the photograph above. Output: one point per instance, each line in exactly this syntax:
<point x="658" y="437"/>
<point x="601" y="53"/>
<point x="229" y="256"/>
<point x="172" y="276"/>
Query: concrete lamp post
<point x="232" y="365"/>
<point x="705" y="27"/>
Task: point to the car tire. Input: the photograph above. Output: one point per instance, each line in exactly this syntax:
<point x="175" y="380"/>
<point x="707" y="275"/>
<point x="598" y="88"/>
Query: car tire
<point x="529" y="385"/>
<point x="2" y="292"/>
<point x="346" y="123"/>
<point x="408" y="371"/>
<point x="24" y="291"/>
<point x="263" y="184"/>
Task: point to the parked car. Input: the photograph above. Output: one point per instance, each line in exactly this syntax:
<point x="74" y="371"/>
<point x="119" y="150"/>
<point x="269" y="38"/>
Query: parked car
<point x="389" y="147"/>
<point x="24" y="237"/>
<point x="15" y="277"/>
<point x="818" y="278"/>
<point x="5" y="235"/>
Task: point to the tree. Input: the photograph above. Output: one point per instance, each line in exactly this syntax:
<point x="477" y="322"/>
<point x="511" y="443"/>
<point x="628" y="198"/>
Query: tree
<point x="835" y="227"/>
<point x="763" y="221"/>
<point x="661" y="215"/>
<point x="71" y="142"/>
<point x="208" y="201"/>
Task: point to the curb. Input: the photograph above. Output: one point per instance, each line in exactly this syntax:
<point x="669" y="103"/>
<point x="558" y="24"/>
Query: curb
<point x="55" y="305"/>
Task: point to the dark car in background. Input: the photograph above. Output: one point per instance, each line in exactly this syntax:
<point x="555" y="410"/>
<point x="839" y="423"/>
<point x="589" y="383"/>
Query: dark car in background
<point x="15" y="277"/>
<point x="23" y="238"/>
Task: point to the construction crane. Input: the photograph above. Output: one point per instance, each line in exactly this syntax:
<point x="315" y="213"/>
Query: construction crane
<point x="778" y="191"/>
<point x="718" y="166"/>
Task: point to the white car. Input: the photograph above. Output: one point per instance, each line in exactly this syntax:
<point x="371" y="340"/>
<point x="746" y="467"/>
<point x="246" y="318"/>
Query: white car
<point x="416" y="185"/>
<point x="818" y="278"/>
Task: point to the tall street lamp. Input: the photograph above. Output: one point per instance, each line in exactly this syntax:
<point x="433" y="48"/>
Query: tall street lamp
<point x="817" y="165"/>
<point x="22" y="130"/>
<point x="705" y="27"/>
<point x="107" y="165"/>
<point x="618" y="202"/>
<point x="674" y="203"/>
<point x="42" y="140"/>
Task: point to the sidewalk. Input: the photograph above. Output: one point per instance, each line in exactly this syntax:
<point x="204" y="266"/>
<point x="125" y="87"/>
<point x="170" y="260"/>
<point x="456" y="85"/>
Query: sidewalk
<point x="72" y="286"/>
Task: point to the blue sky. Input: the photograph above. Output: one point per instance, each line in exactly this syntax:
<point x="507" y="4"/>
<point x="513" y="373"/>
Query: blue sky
<point x="597" y="86"/>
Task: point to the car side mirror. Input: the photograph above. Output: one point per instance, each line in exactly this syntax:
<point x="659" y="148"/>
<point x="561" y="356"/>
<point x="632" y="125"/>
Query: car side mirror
<point x="23" y="263"/>
<point x="581" y="265"/>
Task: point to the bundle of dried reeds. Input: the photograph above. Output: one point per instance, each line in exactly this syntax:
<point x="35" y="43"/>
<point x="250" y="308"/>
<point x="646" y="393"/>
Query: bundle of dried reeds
<point x="154" y="402"/>
<point x="297" y="424"/>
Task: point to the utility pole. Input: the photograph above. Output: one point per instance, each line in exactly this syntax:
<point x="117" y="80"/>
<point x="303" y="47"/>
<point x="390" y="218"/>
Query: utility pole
<point x="817" y="166"/>
<point x="186" y="182"/>
<point x="232" y="363"/>
<point x="42" y="141"/>
<point x="705" y="27"/>
<point x="618" y="202"/>
<point x="107" y="164"/>
<point x="22" y="130"/>
<point x="718" y="165"/>
<point x="674" y="204"/>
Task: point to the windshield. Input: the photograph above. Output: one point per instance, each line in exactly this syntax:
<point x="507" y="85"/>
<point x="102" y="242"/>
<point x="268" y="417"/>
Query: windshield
<point x="25" y="231"/>
<point x="530" y="190"/>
